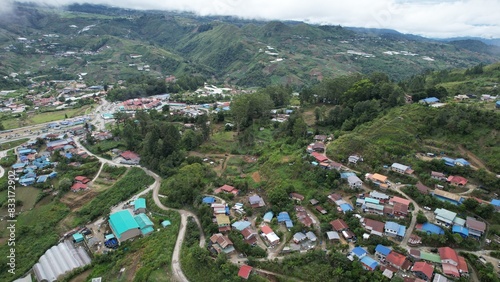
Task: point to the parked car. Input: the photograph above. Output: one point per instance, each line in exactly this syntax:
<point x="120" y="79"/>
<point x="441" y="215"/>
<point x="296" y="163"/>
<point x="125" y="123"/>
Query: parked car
<point x="427" y="208"/>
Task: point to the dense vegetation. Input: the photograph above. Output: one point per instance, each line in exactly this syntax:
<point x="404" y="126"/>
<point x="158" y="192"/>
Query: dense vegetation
<point x="220" y="48"/>
<point x="135" y="180"/>
<point x="36" y="232"/>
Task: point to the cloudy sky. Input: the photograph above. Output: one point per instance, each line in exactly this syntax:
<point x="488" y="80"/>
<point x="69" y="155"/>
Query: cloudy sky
<point x="430" y="18"/>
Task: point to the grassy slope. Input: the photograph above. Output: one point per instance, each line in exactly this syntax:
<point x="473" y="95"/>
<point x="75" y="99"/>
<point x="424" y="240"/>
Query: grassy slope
<point x="400" y="133"/>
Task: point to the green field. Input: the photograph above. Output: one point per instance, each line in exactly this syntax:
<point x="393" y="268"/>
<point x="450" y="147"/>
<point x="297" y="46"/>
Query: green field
<point x="39" y="118"/>
<point x="12" y="144"/>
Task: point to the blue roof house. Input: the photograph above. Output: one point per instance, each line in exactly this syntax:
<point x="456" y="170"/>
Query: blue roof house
<point x="283" y="216"/>
<point x="27" y="181"/>
<point x="346" y="207"/>
<point x="18" y="165"/>
<point x="268" y="216"/>
<point x="463" y="231"/>
<point x="448" y="161"/>
<point x="430" y="228"/>
<point x="495" y="202"/>
<point x="359" y="252"/>
<point x="52" y="174"/>
<point x="345" y="175"/>
<point x="240" y="225"/>
<point x="462" y="162"/>
<point x="429" y="100"/>
<point x="208" y="200"/>
<point x="382" y="251"/>
<point x="369" y="263"/>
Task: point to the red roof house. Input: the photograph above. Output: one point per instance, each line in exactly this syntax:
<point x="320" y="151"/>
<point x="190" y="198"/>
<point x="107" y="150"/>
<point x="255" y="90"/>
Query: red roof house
<point x="457" y="180"/>
<point x="423" y="270"/>
<point x="319" y="157"/>
<point x="451" y="270"/>
<point x="397" y="260"/>
<point x="78" y="186"/>
<point x="82" y="179"/>
<point x="226" y="188"/>
<point x="339" y="225"/>
<point x="400" y="200"/>
<point x="448" y="255"/>
<point x="462" y="265"/>
<point x="129" y="155"/>
<point x="266" y="229"/>
<point x="245" y="271"/>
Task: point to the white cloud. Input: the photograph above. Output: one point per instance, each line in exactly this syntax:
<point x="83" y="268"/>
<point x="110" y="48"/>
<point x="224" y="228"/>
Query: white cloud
<point x="432" y="18"/>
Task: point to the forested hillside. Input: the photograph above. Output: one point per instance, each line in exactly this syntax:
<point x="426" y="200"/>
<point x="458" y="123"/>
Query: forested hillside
<point x="111" y="44"/>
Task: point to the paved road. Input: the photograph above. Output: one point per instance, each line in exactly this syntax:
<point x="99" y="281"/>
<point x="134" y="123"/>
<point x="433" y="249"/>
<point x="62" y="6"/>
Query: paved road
<point x="155" y="187"/>
<point x="409" y="231"/>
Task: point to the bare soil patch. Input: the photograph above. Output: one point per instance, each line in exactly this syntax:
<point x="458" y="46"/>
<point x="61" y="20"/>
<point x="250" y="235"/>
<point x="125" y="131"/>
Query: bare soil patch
<point x="256" y="177"/>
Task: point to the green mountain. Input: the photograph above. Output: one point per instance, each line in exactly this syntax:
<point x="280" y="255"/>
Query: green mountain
<point x="99" y="41"/>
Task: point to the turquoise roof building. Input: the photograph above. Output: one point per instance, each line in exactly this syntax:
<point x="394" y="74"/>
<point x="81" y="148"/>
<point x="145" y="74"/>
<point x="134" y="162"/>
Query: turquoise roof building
<point x="77" y="237"/>
<point x="140" y="205"/>
<point x="145" y="224"/>
<point x="124" y="225"/>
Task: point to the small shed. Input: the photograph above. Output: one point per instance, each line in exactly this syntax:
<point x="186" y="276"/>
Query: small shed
<point x="77" y="237"/>
<point x="166" y="223"/>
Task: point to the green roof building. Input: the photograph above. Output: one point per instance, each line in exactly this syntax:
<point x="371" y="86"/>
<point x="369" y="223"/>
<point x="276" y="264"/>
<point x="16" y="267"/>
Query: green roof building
<point x="140" y="205"/>
<point x="430" y="257"/>
<point x="124" y="226"/>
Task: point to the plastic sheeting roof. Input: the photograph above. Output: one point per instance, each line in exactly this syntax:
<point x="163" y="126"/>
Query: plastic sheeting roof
<point x="59" y="260"/>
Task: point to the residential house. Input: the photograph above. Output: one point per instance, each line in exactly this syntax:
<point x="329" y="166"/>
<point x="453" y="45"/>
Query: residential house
<point x="82" y="179"/>
<point x="448" y="256"/>
<point x="374" y="226"/>
<point x="303" y="217"/>
<point x="423" y="270"/>
<point x="430" y="228"/>
<point x="460" y="230"/>
<point x="297" y="197"/>
<point x="139" y="205"/>
<point x="400" y="168"/>
<point x="333" y="236"/>
<point x="462" y="266"/>
<point x="379" y="196"/>
<point x="353" y="159"/>
<point x="227" y="189"/>
<point x="400" y="209"/>
<point x="299" y="237"/>
<point x="358" y="252"/>
<point x="414" y="240"/>
<point x="311" y="236"/>
<point x="77" y="186"/>
<point x="354" y="182"/>
<point x="429" y="101"/>
<point x="339" y="225"/>
<point x="256" y="201"/>
<point x="321" y="138"/>
<point x="447" y="196"/>
<point x="130" y="156"/>
<point x="313" y="202"/>
<point x="349" y="235"/>
<point x="439" y="278"/>
<point x="378" y="179"/>
<point x="461" y="162"/>
<point x="476" y="227"/>
<point x="445" y="217"/>
<point x="368" y="263"/>
<point x="321" y="210"/>
<point x="382" y="251"/>
<point x="318" y="147"/>
<point x="373" y="208"/>
<point x="223" y="222"/>
<point x="268" y="216"/>
<point x="244" y="271"/>
<point x="241" y="225"/>
<point x="249" y="236"/>
<point x="335" y="165"/>
<point x="398" y="261"/>
<point x="319" y="157"/>
<point x="392" y="229"/>
<point x="424" y="190"/>
<point x="456" y="180"/>
<point x="269" y="235"/>
<point x="334" y="197"/>
<point x="438" y="176"/>
<point x="221" y="243"/>
<point x="284" y="217"/>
